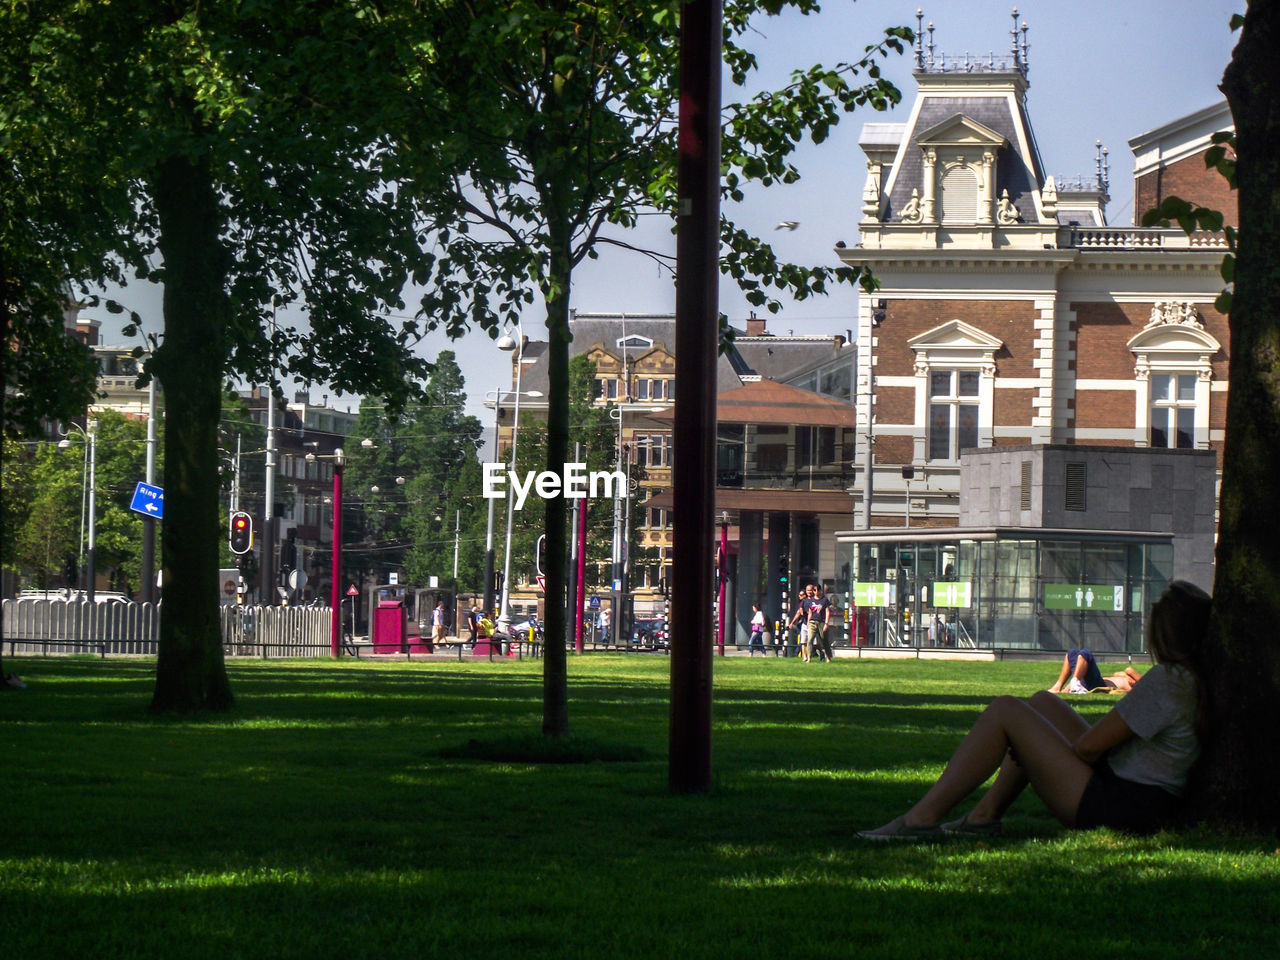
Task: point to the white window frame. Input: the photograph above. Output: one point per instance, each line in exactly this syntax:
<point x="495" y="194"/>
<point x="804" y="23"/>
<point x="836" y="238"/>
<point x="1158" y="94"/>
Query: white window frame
<point x="953" y="400"/>
<point x="954" y="346"/>
<point x="1175" y="343"/>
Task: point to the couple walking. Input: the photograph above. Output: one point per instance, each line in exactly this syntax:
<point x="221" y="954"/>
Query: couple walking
<point x="814" y="610"/>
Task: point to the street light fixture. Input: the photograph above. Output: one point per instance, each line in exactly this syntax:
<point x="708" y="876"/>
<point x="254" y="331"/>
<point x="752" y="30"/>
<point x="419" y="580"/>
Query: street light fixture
<point x="91" y="436"/>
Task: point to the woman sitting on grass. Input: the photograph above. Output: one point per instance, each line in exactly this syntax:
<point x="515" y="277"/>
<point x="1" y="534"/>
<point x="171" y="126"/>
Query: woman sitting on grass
<point x="1081" y="669"/>
<point x="1128" y="771"/>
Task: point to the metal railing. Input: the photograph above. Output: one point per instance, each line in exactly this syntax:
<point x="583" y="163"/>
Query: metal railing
<point x="56" y="626"/>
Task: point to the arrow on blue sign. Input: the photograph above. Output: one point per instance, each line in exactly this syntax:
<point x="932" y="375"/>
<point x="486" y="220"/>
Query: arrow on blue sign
<point x="148" y="500"/>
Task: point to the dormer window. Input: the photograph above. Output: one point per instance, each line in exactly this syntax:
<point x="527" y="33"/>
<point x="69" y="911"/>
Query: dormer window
<point x="634" y="342"/>
<point x="958" y="171"/>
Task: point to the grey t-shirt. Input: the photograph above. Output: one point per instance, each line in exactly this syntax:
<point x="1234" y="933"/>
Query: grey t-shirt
<point x="1161" y="711"/>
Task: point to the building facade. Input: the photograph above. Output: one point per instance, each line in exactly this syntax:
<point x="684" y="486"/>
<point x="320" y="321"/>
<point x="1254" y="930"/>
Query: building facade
<point x="1014" y="323"/>
<point x="1009" y="311"/>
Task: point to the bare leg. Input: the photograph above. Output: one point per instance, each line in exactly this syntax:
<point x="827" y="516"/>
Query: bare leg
<point x="1062" y="677"/>
<point x="1011" y="780"/>
<point x="1044" y="754"/>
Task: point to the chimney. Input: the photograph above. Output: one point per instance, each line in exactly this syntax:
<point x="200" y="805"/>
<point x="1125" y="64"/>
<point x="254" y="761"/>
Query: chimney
<point x="755" y="327"/>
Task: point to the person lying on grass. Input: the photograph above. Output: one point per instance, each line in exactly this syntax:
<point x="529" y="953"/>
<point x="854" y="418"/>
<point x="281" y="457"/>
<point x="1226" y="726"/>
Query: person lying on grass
<point x="1128" y="771"/>
<point x="1081" y="669"/>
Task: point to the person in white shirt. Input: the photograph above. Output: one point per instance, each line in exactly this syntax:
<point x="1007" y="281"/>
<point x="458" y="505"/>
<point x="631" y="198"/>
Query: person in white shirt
<point x="1127" y="771"/>
<point x="757" y="632"/>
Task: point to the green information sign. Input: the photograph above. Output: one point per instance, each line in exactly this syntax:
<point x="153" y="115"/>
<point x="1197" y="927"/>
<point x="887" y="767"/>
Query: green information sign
<point x="871" y="594"/>
<point x="950" y="593"/>
<point x="1084" y="596"/>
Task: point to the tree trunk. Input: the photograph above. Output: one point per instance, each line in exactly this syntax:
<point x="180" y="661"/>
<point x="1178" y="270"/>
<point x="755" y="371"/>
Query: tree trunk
<point x="190" y="671"/>
<point x="555" y="683"/>
<point x="1240" y="785"/>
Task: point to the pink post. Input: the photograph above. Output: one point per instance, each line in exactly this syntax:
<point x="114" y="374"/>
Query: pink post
<point x="335" y="630"/>
<point x="724" y="576"/>
<point x="582" y="576"/>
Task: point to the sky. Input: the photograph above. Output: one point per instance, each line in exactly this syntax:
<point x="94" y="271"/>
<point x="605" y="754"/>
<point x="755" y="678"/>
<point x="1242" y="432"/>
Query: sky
<point x="1104" y="70"/>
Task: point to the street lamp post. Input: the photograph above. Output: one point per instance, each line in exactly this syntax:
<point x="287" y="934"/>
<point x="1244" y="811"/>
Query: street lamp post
<point x="148" y="522"/>
<point x="91" y="437"/>
<point x="487" y="590"/>
<point x="506" y="343"/>
<point x="335" y="587"/>
<point x="496" y="400"/>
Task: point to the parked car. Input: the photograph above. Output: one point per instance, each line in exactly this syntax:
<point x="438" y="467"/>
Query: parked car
<point x="650" y="631"/>
<point x="527" y="630"/>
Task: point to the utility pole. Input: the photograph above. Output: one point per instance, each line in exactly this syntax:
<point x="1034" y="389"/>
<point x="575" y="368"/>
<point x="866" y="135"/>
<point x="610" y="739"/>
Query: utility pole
<point x="268" y="573"/>
<point x="573" y="559"/>
<point x="149" y="523"/>
<point x="457" y="527"/>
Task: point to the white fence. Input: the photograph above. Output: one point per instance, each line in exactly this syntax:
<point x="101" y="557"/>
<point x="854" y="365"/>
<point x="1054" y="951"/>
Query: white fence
<point x="70" y="626"/>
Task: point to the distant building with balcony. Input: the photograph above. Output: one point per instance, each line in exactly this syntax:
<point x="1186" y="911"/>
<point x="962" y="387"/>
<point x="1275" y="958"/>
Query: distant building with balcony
<point x="795" y="450"/>
<point x="1012" y="318"/>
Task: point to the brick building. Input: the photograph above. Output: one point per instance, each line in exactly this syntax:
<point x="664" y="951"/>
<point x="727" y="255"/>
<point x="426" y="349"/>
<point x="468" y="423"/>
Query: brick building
<point x="1012" y="315"/>
<point x="1010" y="311"/>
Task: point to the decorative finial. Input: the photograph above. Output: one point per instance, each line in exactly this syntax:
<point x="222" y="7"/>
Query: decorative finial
<point x="919" y="39"/>
<point x="1014" y="34"/>
<point x="1024" y="46"/>
<point x="930" y="44"/>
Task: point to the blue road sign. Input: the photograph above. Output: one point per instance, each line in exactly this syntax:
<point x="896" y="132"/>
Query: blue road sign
<point x="594" y="603"/>
<point x="148" y="500"/>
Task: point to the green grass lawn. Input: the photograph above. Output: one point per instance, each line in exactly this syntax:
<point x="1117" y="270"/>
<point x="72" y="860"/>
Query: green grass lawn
<point x="339" y="811"/>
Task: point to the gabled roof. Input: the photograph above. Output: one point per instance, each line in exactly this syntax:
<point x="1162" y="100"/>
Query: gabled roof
<point x="955" y="335"/>
<point x="961" y="129"/>
<point x="770" y="402"/>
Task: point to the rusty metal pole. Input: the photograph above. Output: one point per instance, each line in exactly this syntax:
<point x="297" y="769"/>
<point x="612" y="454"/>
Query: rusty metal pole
<point x="694" y="434"/>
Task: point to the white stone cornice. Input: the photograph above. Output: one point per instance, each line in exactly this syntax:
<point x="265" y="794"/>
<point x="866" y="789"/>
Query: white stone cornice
<point x="995" y="261"/>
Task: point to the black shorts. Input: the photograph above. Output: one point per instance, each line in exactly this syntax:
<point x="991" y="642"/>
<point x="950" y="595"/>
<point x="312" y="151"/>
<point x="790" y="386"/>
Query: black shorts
<point x="1112" y="801"/>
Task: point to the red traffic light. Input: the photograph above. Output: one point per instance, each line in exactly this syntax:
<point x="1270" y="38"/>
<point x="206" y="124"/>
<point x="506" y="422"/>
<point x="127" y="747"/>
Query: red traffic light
<point x="241" y="533"/>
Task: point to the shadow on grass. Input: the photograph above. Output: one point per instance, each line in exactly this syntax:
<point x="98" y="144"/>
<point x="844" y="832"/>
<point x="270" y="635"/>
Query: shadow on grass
<point x="536" y="748"/>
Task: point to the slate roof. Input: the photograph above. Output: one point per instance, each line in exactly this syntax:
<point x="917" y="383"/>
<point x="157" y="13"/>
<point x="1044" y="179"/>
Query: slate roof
<point x="607" y="329"/>
<point x="992" y="112"/>
<point x="778" y="357"/>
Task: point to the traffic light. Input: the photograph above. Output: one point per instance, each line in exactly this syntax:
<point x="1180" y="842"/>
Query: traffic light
<point x="541" y="555"/>
<point x="241" y="532"/>
<point x="289" y="552"/>
<point x="784" y="568"/>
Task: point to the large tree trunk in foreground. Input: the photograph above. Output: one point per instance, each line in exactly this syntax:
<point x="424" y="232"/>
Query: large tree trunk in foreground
<point x="191" y="673"/>
<point x="1240" y="784"/>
